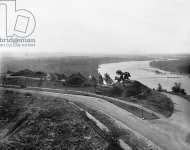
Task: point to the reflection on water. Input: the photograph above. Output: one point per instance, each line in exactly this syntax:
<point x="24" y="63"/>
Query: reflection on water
<point x="143" y="72"/>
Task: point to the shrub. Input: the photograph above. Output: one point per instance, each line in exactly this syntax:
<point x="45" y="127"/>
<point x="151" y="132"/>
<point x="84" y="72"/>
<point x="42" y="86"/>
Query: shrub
<point x="39" y="74"/>
<point x="100" y="79"/>
<point x="27" y="94"/>
<point x="25" y="72"/>
<point x="76" y="80"/>
<point x="93" y="81"/>
<point x="177" y="89"/>
<point x="108" y="79"/>
<point x="61" y="76"/>
<point x="159" y="87"/>
<point x="9" y="106"/>
<point x="116" y="90"/>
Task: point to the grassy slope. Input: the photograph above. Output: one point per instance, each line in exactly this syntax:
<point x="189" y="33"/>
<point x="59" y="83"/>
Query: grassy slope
<point x="156" y="102"/>
<point x="38" y="122"/>
<point x="180" y="66"/>
<point x="128" y="136"/>
<point x="152" y="100"/>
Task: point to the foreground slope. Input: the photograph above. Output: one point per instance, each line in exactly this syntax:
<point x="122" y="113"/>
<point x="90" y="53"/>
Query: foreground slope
<point x="164" y="133"/>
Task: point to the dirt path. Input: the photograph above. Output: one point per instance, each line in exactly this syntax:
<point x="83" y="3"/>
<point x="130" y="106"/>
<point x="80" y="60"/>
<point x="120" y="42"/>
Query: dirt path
<point x="167" y="134"/>
<point x="181" y="115"/>
<point x="99" y="96"/>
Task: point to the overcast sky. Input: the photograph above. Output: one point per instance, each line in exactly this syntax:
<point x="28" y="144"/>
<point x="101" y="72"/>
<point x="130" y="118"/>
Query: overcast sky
<point x="109" y="26"/>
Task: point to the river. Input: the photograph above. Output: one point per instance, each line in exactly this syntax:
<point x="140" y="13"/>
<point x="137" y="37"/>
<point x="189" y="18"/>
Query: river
<point x="143" y="72"/>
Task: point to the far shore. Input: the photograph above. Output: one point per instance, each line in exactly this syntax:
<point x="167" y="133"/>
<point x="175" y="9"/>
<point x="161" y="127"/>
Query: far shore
<point x="180" y="66"/>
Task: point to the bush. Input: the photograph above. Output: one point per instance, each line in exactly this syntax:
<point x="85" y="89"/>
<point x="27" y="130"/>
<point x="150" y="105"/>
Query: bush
<point x="93" y="81"/>
<point x="177" y="89"/>
<point x="9" y="106"/>
<point x="61" y="76"/>
<point x="76" y="80"/>
<point x="25" y="72"/>
<point x="28" y="94"/>
<point x="116" y="90"/>
<point x="159" y="87"/>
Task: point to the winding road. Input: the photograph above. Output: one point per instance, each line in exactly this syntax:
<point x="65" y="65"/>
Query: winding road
<point x="165" y="133"/>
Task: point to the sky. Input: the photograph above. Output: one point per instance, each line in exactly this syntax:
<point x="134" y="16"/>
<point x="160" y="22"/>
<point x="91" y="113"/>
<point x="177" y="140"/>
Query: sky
<point x="109" y="26"/>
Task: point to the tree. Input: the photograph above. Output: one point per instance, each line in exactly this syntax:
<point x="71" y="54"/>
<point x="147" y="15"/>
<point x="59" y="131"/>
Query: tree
<point x="61" y="76"/>
<point x="126" y="75"/>
<point x="93" y="81"/>
<point x="40" y="74"/>
<point x="40" y="83"/>
<point x="10" y="72"/>
<point x="76" y="80"/>
<point x="25" y="72"/>
<point x="108" y="79"/>
<point x="100" y="79"/>
<point x="159" y="87"/>
<point x="177" y="89"/>
<point x="123" y="76"/>
<point x="4" y="79"/>
<point x="120" y="78"/>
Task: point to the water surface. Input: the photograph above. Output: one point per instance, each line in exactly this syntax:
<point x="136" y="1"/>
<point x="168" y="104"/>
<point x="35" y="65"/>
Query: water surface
<point x="143" y="72"/>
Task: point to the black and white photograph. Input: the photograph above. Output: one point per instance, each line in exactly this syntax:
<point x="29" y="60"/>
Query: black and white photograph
<point x="95" y="75"/>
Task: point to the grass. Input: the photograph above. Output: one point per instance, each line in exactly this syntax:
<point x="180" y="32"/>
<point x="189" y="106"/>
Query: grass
<point x="128" y="136"/>
<point x="152" y="100"/>
<point x="46" y="123"/>
<point x="135" y="92"/>
<point x="187" y="97"/>
<point x="156" y="102"/>
<point x="134" y="110"/>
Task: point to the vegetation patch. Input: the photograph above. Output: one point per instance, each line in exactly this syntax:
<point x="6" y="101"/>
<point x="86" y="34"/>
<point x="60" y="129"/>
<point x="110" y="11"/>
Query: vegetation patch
<point x="116" y="133"/>
<point x="179" y="66"/>
<point x="156" y="102"/>
<point x="134" y="110"/>
<point x="138" y="93"/>
<point x="45" y="123"/>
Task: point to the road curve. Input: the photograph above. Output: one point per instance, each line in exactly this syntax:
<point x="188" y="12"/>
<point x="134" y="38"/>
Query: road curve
<point x="181" y="115"/>
<point x="166" y="134"/>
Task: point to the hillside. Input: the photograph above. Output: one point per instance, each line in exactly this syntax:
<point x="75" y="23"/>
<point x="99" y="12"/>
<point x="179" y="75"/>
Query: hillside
<point x="39" y="122"/>
<point x="179" y="66"/>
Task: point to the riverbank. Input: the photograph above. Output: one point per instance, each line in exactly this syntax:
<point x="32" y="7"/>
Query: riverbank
<point x="148" y="75"/>
<point x="181" y="65"/>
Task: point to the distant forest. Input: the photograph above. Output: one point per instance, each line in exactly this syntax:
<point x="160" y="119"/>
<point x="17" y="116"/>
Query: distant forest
<point x="66" y="65"/>
<point x="179" y="66"/>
